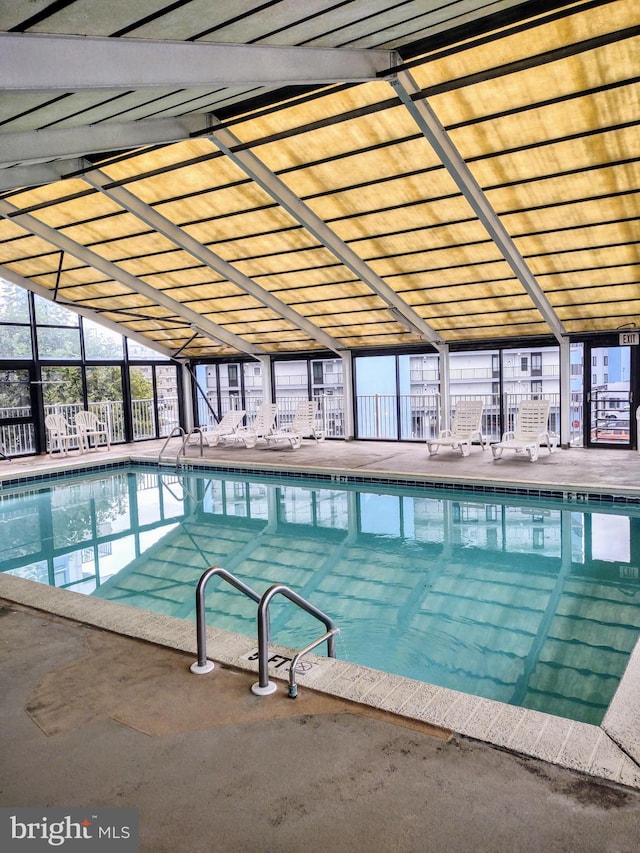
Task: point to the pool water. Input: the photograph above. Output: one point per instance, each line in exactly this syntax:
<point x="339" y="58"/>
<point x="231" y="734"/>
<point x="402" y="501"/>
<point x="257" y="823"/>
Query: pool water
<point x="527" y="601"/>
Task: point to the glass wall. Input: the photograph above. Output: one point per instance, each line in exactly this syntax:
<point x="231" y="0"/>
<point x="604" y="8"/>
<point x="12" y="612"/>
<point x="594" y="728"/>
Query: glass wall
<point x="397" y="396"/>
<point x="224" y="387"/>
<point x="239" y="385"/>
<point x="376" y="397"/>
<point x="15" y="319"/>
<point x="317" y="379"/>
<point x="56" y="362"/>
<point x="531" y="374"/>
<point x="16" y="416"/>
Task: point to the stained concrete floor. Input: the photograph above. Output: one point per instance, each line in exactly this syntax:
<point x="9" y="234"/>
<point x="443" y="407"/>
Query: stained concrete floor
<point x="91" y="718"/>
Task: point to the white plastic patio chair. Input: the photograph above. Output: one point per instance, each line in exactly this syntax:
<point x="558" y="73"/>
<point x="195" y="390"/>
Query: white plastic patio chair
<point x="262" y="426"/>
<point x="303" y="426"/>
<point x="225" y="427"/>
<point x="466" y="425"/>
<point x="61" y="436"/>
<point x="91" y="428"/>
<point x="530" y="431"/>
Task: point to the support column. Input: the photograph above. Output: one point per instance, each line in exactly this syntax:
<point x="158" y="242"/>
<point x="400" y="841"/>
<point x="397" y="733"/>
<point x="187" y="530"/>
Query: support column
<point x="565" y="392"/>
<point x="348" y="399"/>
<point x="445" y="387"/>
<point x="187" y="398"/>
<point x="265" y="362"/>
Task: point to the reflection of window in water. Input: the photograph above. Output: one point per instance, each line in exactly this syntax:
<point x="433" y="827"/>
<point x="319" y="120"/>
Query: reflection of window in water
<point x="492" y="537"/>
<point x="538" y="537"/>
<point x="610" y="538"/>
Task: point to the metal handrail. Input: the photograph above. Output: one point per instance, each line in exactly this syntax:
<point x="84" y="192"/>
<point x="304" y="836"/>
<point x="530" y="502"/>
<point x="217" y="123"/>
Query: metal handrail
<point x="263" y="686"/>
<point x="293" y="687"/>
<point x="185" y="440"/>
<point x="203" y="665"/>
<point x="175" y="431"/>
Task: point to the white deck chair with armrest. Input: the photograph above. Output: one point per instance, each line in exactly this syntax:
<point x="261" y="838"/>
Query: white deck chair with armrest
<point x="466" y="425"/>
<point x="262" y="426"/>
<point x="61" y="436"/>
<point x="303" y="425"/>
<point x="530" y="431"/>
<point x="90" y="427"/>
<point x="226" y="426"/>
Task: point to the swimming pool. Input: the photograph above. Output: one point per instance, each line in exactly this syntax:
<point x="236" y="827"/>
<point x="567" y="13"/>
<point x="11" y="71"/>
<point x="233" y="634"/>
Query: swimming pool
<point x="528" y="601"/>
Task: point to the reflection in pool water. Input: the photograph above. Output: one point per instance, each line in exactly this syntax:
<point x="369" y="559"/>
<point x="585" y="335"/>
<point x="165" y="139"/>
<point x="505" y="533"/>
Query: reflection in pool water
<point x="526" y="601"/>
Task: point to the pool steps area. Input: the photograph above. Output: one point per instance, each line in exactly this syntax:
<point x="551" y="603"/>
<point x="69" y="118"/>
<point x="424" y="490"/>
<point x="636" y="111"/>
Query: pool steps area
<point x="610" y="751"/>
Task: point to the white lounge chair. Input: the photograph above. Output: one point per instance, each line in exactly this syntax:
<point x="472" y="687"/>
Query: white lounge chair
<point x="61" y="436"/>
<point x="466" y="425"/>
<point x="226" y="426"/>
<point x="303" y="426"/>
<point x="531" y="430"/>
<point x="90" y="427"/>
<point x="262" y="426"/>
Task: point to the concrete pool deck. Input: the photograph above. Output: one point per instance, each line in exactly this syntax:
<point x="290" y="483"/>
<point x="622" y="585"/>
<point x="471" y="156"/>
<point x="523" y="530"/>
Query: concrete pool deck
<point x="609" y="752"/>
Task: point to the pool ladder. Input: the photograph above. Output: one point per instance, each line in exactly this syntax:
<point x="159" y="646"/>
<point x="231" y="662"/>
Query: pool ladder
<point x="162" y="459"/>
<point x="263" y="687"/>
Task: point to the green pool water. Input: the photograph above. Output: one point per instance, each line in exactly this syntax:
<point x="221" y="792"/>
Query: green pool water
<point x="527" y="601"/>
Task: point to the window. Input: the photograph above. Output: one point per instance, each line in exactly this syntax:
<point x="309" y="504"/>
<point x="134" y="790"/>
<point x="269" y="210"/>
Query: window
<point x="376" y="394"/>
<point x="524" y="364"/>
<point x="14" y="310"/>
<point x="51" y="314"/>
<point x="58" y="343"/>
<point x="101" y="344"/>
<point x="137" y="351"/>
<point x="233" y="375"/>
<point x="536" y="364"/>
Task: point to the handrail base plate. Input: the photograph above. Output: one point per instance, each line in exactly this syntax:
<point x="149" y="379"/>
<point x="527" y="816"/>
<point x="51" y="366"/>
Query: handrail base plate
<point x="263" y="691"/>
<point x="196" y="669"/>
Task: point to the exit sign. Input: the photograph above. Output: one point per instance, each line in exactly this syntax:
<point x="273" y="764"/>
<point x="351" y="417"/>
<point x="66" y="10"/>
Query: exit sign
<point x="629" y="339"/>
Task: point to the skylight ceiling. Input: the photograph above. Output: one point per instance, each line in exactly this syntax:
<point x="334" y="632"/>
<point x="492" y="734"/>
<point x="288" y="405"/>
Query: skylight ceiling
<point x="483" y="183"/>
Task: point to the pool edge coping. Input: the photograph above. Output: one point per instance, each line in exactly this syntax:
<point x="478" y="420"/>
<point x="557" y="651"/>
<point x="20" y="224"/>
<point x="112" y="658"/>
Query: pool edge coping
<point x="569" y="492"/>
<point x="582" y="747"/>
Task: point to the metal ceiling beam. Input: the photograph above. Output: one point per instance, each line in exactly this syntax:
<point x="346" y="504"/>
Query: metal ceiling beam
<point x="278" y="190"/>
<point x="95" y="317"/>
<point x="184" y="240"/>
<point x="39" y="146"/>
<point x="37" y="174"/>
<point x="429" y="124"/>
<point x="82" y="253"/>
<point x="35" y="62"/>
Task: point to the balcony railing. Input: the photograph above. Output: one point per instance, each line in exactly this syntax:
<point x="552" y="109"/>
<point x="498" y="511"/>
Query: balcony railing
<point x="409" y="417"/>
<point x="19" y="439"/>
